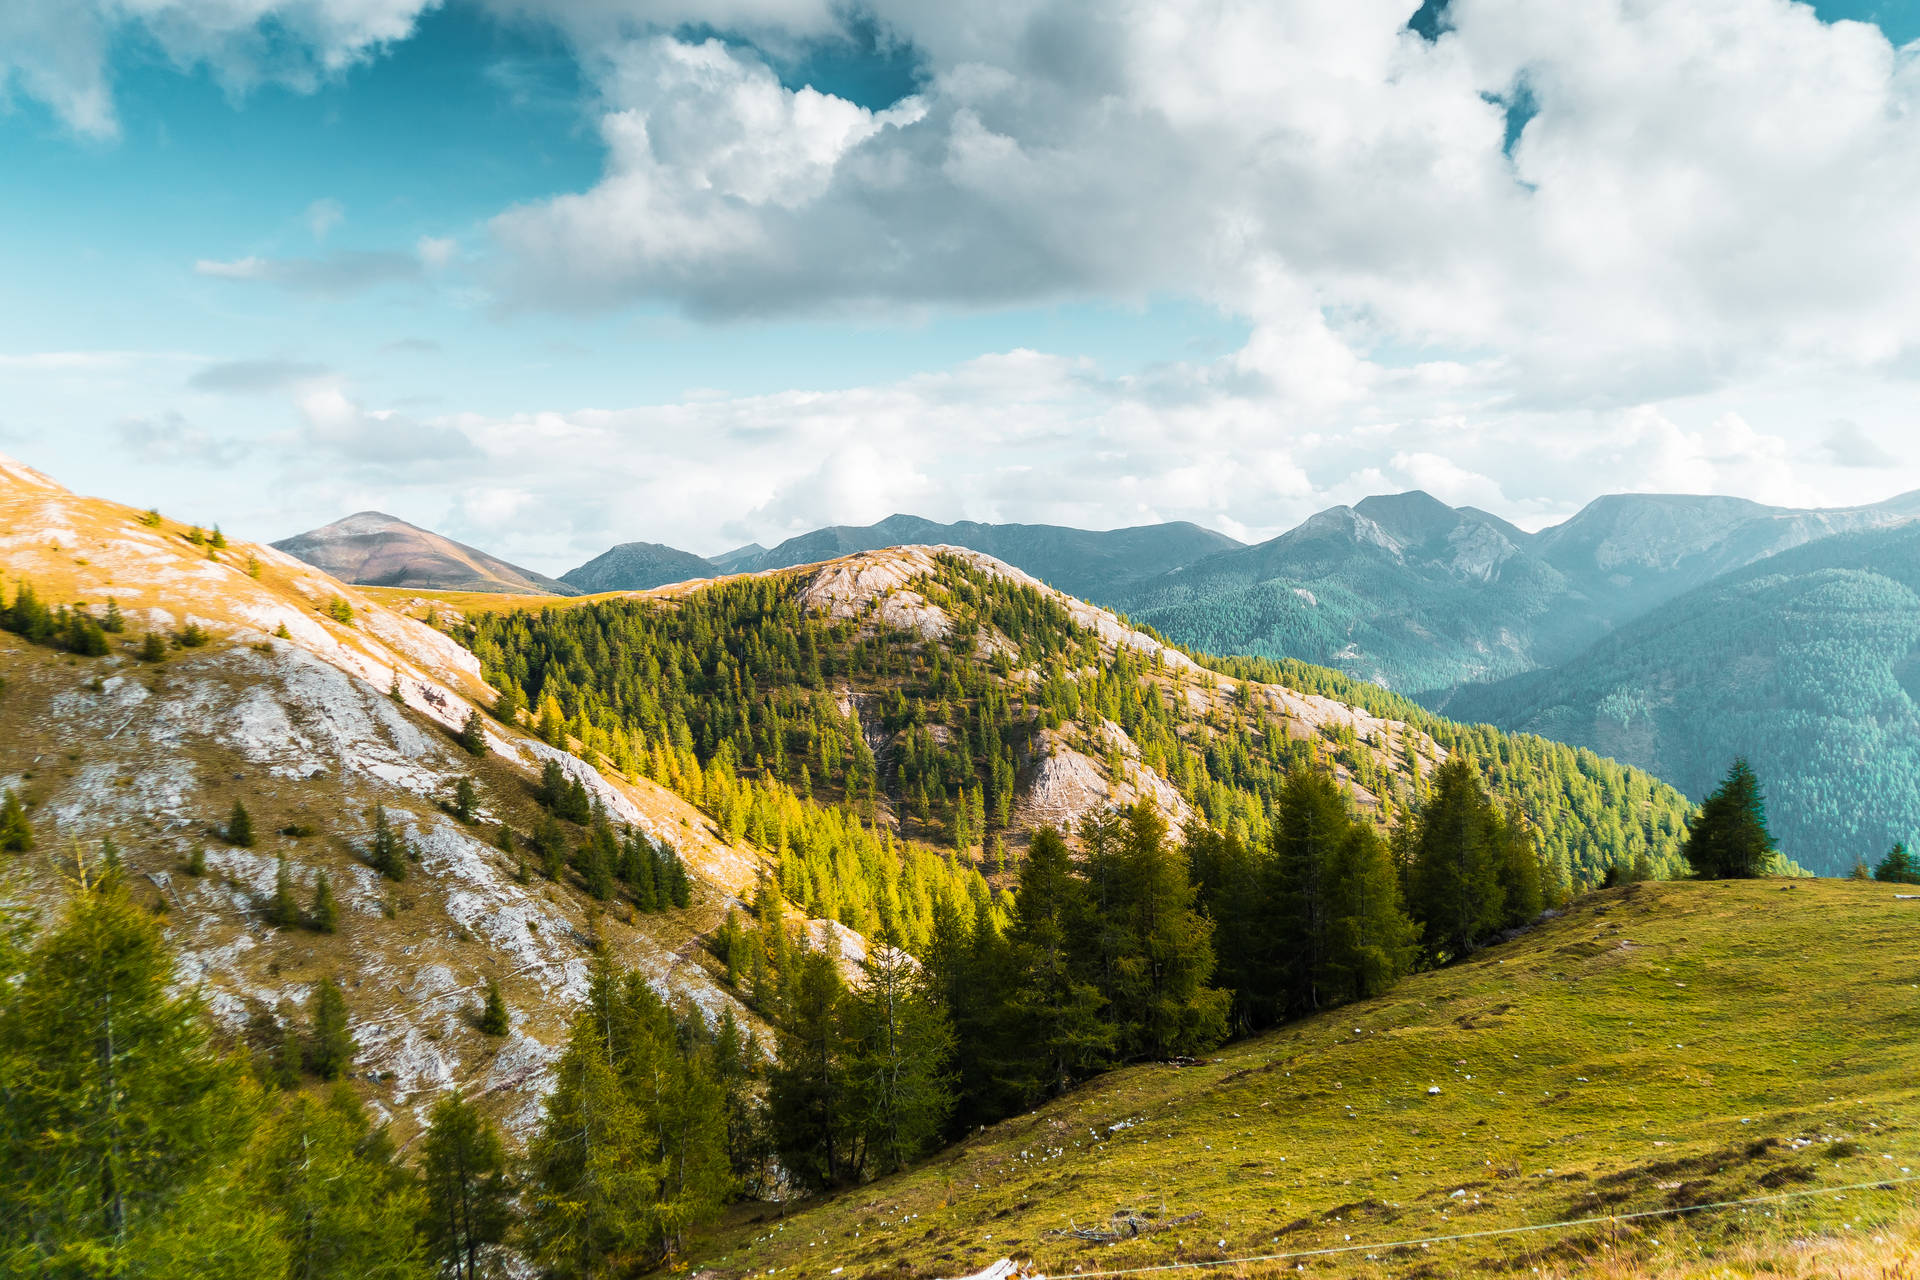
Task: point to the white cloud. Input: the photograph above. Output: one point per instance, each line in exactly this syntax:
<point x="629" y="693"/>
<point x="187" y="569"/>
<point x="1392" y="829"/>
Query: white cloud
<point x="323" y="216"/>
<point x="1708" y="188"/>
<point x="57" y="51"/>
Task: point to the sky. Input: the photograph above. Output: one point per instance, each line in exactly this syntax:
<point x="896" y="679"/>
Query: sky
<point x="547" y="275"/>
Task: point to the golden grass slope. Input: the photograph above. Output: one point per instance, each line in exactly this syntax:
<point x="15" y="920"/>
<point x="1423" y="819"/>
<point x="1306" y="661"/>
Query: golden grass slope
<point x="1658" y="1046"/>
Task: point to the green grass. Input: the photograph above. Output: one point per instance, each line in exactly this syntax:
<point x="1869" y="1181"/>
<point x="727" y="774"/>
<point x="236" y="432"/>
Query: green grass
<point x="1660" y="1045"/>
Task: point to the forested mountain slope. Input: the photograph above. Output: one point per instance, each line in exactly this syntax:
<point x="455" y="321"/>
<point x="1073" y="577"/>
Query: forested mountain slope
<point x="377" y="550"/>
<point x="636" y="566"/>
<point x="1403" y="591"/>
<point x="946" y="697"/>
<point x="1808" y="663"/>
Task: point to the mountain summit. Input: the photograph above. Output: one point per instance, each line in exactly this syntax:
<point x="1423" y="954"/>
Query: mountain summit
<point x="373" y="549"/>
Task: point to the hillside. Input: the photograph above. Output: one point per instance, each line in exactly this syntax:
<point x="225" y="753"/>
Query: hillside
<point x="377" y="550"/>
<point x="310" y="703"/>
<point x="637" y="566"/>
<point x="1658" y="1046"/>
<point x="945" y="696"/>
<point x="1093" y="565"/>
<point x="1808" y="663"/>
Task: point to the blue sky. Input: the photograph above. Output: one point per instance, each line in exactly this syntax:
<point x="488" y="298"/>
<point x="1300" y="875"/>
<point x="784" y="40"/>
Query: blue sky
<point x="548" y="277"/>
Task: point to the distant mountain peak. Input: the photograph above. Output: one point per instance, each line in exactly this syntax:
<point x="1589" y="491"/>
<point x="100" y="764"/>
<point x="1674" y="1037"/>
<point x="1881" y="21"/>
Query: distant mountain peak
<point x="374" y="549"/>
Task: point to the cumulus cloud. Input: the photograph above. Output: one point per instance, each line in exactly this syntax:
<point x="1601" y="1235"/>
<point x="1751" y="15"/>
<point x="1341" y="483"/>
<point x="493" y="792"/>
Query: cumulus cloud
<point x="336" y="425"/>
<point x="1674" y="214"/>
<point x="57" y="51"/>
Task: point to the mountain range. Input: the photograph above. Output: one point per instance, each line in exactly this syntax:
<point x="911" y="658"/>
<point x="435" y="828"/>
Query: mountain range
<point x="1615" y="630"/>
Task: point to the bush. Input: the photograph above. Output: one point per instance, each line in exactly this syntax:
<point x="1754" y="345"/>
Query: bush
<point x="193" y="636"/>
<point x="340" y="611"/>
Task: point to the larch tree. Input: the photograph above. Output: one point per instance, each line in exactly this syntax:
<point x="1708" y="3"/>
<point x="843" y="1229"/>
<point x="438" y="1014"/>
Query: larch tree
<point x="1728" y="839"/>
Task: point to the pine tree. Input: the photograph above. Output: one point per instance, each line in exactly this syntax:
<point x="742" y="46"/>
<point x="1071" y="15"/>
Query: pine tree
<point x="346" y="1208"/>
<point x="284" y="910"/>
<point x="197" y="862"/>
<point x="508" y="705"/>
<point x="1370" y="941"/>
<point x="809" y="1096"/>
<point x="153" y="648"/>
<point x="589" y="1179"/>
<point x="737" y="1068"/>
<point x="1054" y="1005"/>
<point x="121" y="1125"/>
<point x="325" y="916"/>
<point x="16" y="833"/>
<point x="1898" y="867"/>
<point x="217" y="539"/>
<point x="387" y="854"/>
<point x="463" y="1166"/>
<point x="1455" y="861"/>
<point x="473" y="734"/>
<point x="240" y="826"/>
<point x="1728" y="839"/>
<point x="464" y="800"/>
<point x="550" y="842"/>
<point x="114" y="622"/>
<point x="493" y="1015"/>
<point x="330" y="1043"/>
<point x="1312" y="822"/>
<point x="1153" y="951"/>
<point x="901" y="1047"/>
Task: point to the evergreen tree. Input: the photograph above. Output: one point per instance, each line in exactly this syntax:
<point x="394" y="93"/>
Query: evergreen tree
<point x="284" y="910"/>
<point x="347" y="1209"/>
<point x="1233" y="886"/>
<point x="590" y="1177"/>
<point x="387" y="854"/>
<point x="809" y="1097"/>
<point x="1053" y="1004"/>
<point x="1728" y="839"/>
<point x="1313" y="823"/>
<point x="1153" y="951"/>
<point x="325" y="916"/>
<point x="330" y="1043"/>
<point x="1522" y="893"/>
<point x="120" y="1125"/>
<point x="197" y="861"/>
<point x="240" y="826"/>
<point x="1455" y="861"/>
<point x="901" y="1046"/>
<point x="508" y="705"/>
<point x="468" y="1191"/>
<point x="473" y="734"/>
<point x="153" y="648"/>
<point x="16" y="833"/>
<point x="1898" y="867"/>
<point x="1370" y="941"/>
<point x="114" y="622"/>
<point x="464" y="800"/>
<point x="550" y="842"/>
<point x="737" y="1069"/>
<point x="493" y="1015"/>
